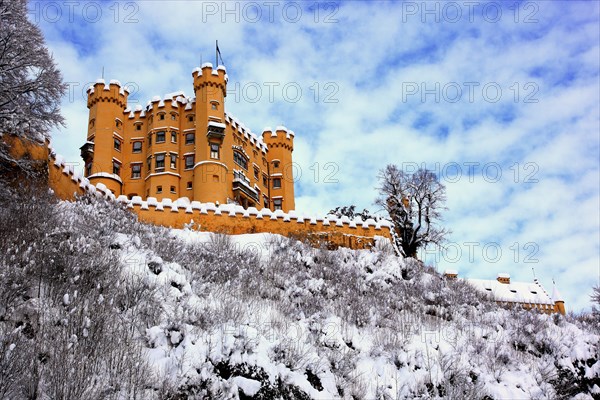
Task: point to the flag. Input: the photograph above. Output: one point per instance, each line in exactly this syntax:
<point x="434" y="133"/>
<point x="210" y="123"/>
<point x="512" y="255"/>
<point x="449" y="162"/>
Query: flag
<point x="218" y="54"/>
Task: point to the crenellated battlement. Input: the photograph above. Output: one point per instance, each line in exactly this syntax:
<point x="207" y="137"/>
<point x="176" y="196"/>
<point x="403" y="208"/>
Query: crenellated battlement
<point x="112" y="92"/>
<point x="206" y="76"/>
<point x="279" y="137"/>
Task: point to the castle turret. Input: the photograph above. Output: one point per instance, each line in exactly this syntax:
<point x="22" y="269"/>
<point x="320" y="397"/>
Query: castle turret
<point x="559" y="302"/>
<point x="280" y="143"/>
<point x="103" y="151"/>
<point x="211" y="180"/>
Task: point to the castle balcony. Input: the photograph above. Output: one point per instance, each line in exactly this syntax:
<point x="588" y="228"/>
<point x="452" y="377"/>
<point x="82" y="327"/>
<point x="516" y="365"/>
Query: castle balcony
<point x="216" y="130"/>
<point x="87" y="151"/>
<point x="241" y="186"/>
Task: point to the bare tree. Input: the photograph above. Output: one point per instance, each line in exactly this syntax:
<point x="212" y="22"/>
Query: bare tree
<point x="31" y="86"/>
<point x="414" y="203"/>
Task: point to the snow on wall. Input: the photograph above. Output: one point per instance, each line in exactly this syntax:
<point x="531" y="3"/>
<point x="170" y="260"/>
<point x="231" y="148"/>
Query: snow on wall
<point x="234" y="219"/>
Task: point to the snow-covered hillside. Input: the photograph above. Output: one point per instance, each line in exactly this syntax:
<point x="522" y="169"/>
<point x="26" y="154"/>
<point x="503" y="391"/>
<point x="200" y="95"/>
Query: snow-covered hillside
<point x="96" y="305"/>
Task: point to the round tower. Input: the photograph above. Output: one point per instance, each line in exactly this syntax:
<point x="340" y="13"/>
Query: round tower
<point x="559" y="302"/>
<point x="103" y="152"/>
<point x="280" y="143"/>
<point x="211" y="178"/>
<point x="163" y="159"/>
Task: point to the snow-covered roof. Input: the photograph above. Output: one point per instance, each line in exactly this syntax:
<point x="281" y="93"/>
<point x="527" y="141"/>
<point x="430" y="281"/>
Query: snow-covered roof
<point x="556" y="296"/>
<point x="517" y="292"/>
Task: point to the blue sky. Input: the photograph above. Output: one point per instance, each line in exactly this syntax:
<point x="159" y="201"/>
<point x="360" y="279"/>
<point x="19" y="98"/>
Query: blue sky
<point x="501" y="99"/>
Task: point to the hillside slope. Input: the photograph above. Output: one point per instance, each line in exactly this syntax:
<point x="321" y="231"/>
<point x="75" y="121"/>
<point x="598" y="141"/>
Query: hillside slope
<point x="96" y="305"/>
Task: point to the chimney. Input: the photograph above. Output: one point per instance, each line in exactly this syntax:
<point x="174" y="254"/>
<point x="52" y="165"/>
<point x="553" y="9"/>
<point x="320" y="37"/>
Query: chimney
<point x="503" y="278"/>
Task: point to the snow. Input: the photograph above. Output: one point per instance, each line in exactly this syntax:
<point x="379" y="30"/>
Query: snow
<point x="216" y="124"/>
<point x="521" y="292"/>
<point x="249" y="386"/>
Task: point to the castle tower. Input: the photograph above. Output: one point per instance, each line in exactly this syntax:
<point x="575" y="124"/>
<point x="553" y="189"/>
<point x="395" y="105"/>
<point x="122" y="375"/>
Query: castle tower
<point x="559" y="302"/>
<point x="103" y="153"/>
<point x="163" y="161"/>
<point x="211" y="178"/>
<point x="281" y="170"/>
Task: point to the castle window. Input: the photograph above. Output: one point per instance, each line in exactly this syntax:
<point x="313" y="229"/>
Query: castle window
<point x="137" y="147"/>
<point x="214" y="106"/>
<point x="173" y="189"/>
<point x="118" y="123"/>
<point x="116" y="168"/>
<point x="149" y="164"/>
<point x="161" y="117"/>
<point x="276" y="183"/>
<point x="159" y="189"/>
<point x="138" y="127"/>
<point x="266" y="202"/>
<point x="275" y="164"/>
<point x="256" y="171"/>
<point x="189" y="161"/>
<point x="189" y="138"/>
<point x="136" y="171"/>
<point x="277" y="204"/>
<point x="189" y="186"/>
<point x="117" y="144"/>
<point x="160" y="137"/>
<point x="215" y="178"/>
<point x="149" y="139"/>
<point x="173" y="161"/>
<point x="191" y="118"/>
<point x="265" y="179"/>
<point x="240" y="160"/>
<point x="214" y="151"/>
<point x="173" y="137"/>
<point x="173" y="117"/>
<point x="92" y="123"/>
<point x="160" y="161"/>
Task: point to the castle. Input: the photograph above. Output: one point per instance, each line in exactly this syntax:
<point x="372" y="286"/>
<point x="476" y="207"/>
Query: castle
<point x="181" y="147"/>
